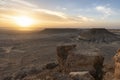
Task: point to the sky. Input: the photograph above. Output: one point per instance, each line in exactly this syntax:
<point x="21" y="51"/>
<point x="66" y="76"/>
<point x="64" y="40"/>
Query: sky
<point x="62" y="13"/>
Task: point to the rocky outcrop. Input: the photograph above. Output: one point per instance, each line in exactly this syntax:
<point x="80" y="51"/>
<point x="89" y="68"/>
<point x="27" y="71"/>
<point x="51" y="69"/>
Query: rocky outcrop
<point x="78" y="62"/>
<point x="117" y="65"/>
<point x="62" y="54"/>
<point x="71" y="61"/>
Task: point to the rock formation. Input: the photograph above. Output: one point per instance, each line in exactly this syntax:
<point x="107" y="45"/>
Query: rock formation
<point x="98" y="35"/>
<point x="70" y="61"/>
<point x="78" y="62"/>
<point x="117" y="65"/>
<point x="62" y="54"/>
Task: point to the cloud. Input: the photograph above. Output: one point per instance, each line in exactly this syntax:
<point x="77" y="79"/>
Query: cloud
<point x="50" y="12"/>
<point x="106" y="11"/>
<point x="11" y="8"/>
<point x="16" y="4"/>
<point x="53" y="16"/>
<point x="86" y="18"/>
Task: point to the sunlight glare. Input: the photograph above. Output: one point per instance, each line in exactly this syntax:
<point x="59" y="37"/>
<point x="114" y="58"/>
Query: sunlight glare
<point x="24" y="21"/>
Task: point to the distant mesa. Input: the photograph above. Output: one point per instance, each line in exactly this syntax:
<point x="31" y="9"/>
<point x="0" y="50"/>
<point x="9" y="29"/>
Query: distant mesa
<point x="98" y="35"/>
<point x="59" y="30"/>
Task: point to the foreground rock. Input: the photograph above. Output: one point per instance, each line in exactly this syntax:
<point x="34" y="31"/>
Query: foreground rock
<point x="117" y="65"/>
<point x="62" y="54"/>
<point x="72" y="61"/>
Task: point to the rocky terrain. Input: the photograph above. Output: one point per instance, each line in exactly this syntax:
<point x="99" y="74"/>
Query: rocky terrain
<point x="58" y="54"/>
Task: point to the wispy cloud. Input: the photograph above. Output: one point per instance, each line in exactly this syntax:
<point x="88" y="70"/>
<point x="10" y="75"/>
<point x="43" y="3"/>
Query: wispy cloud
<point x="106" y="11"/>
<point x="50" y="12"/>
<point x="16" y="4"/>
<point x="86" y="18"/>
<point x="48" y="15"/>
<point x="11" y="8"/>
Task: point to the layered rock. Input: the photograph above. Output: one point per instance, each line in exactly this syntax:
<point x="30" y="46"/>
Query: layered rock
<point x="98" y="35"/>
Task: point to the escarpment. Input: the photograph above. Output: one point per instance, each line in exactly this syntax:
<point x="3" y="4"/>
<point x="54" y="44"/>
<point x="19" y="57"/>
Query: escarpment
<point x="98" y="35"/>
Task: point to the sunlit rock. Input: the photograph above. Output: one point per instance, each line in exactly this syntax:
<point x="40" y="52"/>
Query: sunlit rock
<point x="84" y="75"/>
<point x="117" y="65"/>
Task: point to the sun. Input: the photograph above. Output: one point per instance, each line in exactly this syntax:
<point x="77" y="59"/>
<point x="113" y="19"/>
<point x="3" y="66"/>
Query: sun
<point x="24" y="21"/>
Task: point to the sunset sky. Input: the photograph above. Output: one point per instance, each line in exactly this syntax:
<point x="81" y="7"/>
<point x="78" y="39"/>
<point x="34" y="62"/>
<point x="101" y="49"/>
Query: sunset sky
<point x="60" y="13"/>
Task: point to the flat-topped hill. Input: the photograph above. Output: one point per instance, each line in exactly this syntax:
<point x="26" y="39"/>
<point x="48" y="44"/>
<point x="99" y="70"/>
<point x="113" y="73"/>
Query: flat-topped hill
<point x="98" y="35"/>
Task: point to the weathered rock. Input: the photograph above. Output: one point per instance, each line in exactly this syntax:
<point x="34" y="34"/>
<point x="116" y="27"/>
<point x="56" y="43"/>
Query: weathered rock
<point x="78" y="62"/>
<point x="108" y="76"/>
<point x="117" y="65"/>
<point x="85" y="75"/>
<point x="73" y="61"/>
<point x="62" y="53"/>
<point x="51" y="66"/>
<point x="108" y="72"/>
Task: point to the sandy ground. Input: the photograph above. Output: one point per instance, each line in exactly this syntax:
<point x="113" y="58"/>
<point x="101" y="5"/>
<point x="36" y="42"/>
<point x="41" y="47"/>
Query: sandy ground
<point x="35" y="50"/>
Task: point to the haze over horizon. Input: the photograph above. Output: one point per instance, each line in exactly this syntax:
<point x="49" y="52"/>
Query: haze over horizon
<point x="59" y="13"/>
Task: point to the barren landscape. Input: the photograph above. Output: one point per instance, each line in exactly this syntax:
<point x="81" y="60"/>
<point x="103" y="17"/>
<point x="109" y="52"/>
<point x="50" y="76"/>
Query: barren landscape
<point x="27" y="51"/>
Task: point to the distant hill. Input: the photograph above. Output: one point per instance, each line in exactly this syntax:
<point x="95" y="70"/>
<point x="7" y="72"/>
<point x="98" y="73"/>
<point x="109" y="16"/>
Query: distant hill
<point x="59" y="30"/>
<point x="43" y="31"/>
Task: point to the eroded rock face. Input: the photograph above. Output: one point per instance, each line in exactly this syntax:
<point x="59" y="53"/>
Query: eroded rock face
<point x="62" y="54"/>
<point x="98" y="35"/>
<point x="117" y="65"/>
<point x="77" y="62"/>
